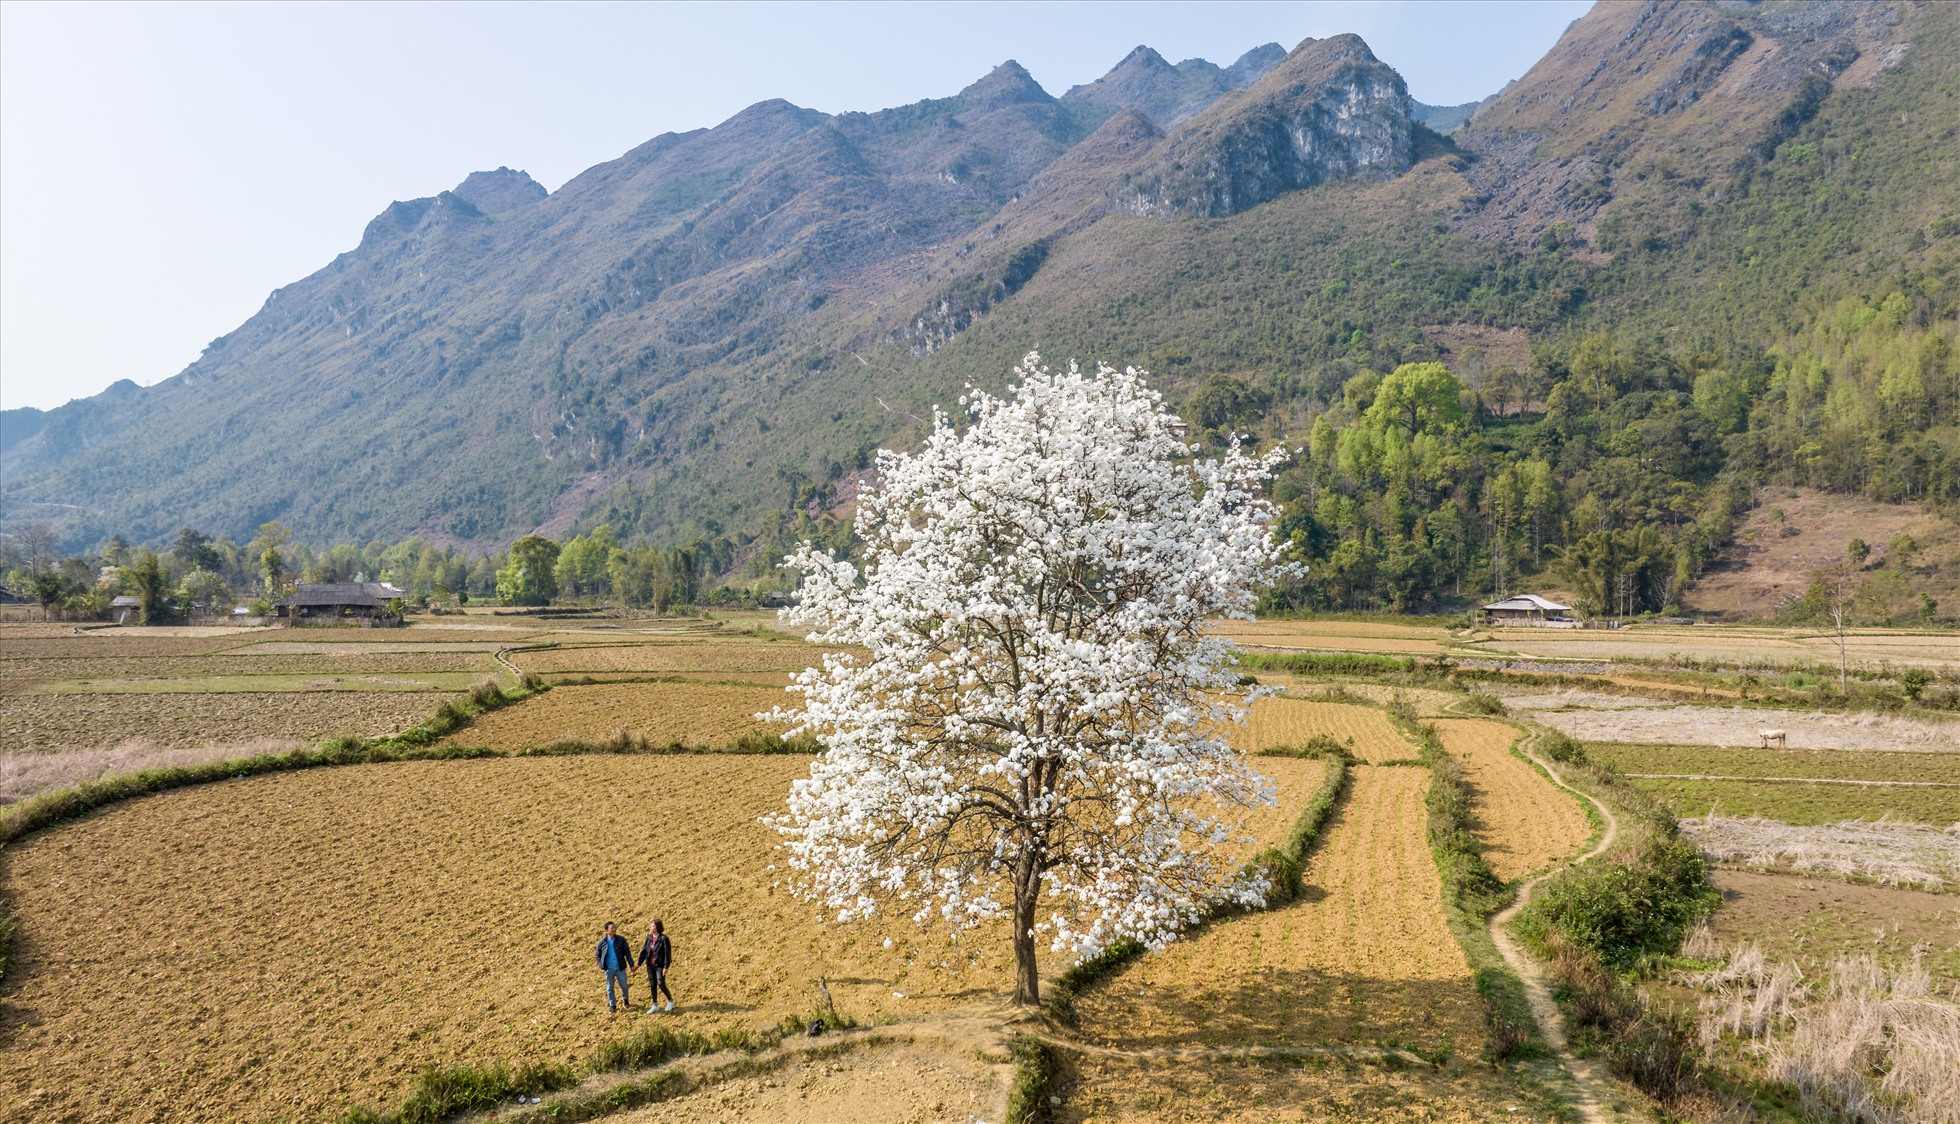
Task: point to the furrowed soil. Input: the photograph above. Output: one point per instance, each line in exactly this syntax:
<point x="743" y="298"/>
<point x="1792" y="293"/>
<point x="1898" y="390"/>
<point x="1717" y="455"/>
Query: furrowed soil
<point x="1524" y="821"/>
<point x="692" y="713"/>
<point x="1363" y="962"/>
<point x="47" y="722"/>
<point x="668" y="657"/>
<point x="293" y="944"/>
<point x="1293" y="722"/>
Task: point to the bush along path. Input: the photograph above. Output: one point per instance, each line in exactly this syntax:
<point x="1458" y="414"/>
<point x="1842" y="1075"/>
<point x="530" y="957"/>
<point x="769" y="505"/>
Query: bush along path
<point x="1590" y="1085"/>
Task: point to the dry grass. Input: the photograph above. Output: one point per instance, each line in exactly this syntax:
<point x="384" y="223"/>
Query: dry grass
<point x="1898" y="854"/>
<point x="1876" y="1045"/>
<point x="24" y="774"/>
<point x="1863" y="1042"/>
<point x="1524" y="821"/>
<point x="1810" y="920"/>
<point x="1294" y="722"/>
<point x="291" y="944"/>
<point x="692" y="713"/>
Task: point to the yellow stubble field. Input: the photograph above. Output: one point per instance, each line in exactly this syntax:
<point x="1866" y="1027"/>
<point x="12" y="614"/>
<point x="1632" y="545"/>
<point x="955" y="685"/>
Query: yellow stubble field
<point x="292" y="944"/>
<point x="1524" y="821"/>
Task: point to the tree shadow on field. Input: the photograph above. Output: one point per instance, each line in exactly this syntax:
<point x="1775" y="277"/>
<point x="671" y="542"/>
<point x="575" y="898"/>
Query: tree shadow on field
<point x="1283" y="1007"/>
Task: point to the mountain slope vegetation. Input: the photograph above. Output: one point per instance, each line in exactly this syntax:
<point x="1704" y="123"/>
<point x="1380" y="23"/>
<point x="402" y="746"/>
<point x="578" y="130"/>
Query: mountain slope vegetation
<point x="1696" y="248"/>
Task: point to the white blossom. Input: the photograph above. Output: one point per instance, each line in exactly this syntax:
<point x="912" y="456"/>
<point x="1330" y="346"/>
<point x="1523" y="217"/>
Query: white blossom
<point x="1036" y="728"/>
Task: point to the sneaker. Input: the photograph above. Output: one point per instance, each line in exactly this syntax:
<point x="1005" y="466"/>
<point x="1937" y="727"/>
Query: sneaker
<point x="652" y="1009"/>
<point x="670" y="1006"/>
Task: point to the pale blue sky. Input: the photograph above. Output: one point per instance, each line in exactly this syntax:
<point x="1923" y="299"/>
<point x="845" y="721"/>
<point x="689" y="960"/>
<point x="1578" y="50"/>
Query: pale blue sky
<point x="164" y="166"/>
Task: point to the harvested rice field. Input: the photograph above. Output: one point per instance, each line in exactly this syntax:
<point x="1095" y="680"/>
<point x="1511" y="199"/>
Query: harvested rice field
<point x="1336" y="636"/>
<point x="701" y="714"/>
<point x="41" y="722"/>
<point x="219" y="979"/>
<point x="1293" y="722"/>
<point x="1364" y="958"/>
<point x="1737" y="647"/>
<point x="1525" y="822"/>
<point x="1364" y="961"/>
<point x="666" y="657"/>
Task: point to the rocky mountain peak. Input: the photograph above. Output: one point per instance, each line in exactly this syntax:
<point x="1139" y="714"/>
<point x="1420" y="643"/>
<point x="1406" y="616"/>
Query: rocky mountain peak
<point x="500" y="192"/>
<point x="1253" y="65"/>
<point x="1328" y="111"/>
<point x="1007" y="84"/>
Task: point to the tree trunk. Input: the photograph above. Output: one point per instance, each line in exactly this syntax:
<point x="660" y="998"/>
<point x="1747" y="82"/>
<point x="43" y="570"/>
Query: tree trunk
<point x="1027" y="889"/>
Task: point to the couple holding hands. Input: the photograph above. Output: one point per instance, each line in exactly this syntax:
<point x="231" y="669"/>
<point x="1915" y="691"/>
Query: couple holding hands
<point x="616" y="957"/>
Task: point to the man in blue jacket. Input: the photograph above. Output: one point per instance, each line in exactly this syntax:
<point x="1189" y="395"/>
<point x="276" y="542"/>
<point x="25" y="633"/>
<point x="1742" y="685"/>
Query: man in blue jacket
<point x="616" y="957"/>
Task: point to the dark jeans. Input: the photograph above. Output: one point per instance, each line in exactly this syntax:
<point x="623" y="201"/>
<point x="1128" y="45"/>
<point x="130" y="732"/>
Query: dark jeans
<point x="657" y="981"/>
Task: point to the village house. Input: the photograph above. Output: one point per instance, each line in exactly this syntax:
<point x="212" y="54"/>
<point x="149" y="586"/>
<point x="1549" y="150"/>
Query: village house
<point x="369" y="604"/>
<point x="1529" y="610"/>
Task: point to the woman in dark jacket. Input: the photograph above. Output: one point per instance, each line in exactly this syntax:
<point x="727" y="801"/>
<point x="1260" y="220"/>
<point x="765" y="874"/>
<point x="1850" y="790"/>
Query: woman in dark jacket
<point x="656" y="953"/>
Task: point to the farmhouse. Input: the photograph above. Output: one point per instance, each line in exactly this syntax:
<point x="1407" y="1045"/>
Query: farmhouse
<point x="363" y="603"/>
<point x="124" y="608"/>
<point x="1530" y="610"/>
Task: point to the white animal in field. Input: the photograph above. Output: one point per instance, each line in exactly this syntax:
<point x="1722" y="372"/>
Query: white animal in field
<point x="1777" y="736"/>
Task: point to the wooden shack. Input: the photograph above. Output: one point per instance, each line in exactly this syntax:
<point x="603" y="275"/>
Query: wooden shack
<point x="1528" y="610"/>
<point x="369" y="604"/>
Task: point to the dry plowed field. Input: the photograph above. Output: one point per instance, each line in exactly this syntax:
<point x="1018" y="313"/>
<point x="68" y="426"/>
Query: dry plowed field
<point x="290" y="944"/>
<point x="1364" y="960"/>
<point x="1292" y="722"/>
<point x="662" y="658"/>
<point x="41" y="722"/>
<point x="694" y="713"/>
<point x="1524" y="821"/>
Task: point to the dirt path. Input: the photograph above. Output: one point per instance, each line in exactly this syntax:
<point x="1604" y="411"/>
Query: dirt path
<point x="1551" y="1023"/>
<point x="1524" y="822"/>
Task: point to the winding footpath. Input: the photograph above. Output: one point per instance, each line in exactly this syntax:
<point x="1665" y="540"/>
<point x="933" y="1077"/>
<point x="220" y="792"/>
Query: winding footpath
<point x="1591" y="1084"/>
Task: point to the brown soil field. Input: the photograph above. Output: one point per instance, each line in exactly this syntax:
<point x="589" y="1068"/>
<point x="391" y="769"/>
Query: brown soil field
<point x="117" y="643"/>
<point x="664" y="656"/>
<point x="1364" y="959"/>
<point x="1292" y="722"/>
<point x="339" y="648"/>
<point x="1339" y="636"/>
<point x="1127" y="1090"/>
<point x="295" y="943"/>
<point x="101" y="721"/>
<point x="1524" y="821"/>
<point x="694" y="713"/>
<point x="904" y="1083"/>
<point x="1810" y="920"/>
<point x="173" y="667"/>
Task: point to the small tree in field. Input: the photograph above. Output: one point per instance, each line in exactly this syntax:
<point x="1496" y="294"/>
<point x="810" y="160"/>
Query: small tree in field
<point x="1036" y="730"/>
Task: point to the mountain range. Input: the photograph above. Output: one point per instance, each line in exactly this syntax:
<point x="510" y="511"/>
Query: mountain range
<point x="714" y="330"/>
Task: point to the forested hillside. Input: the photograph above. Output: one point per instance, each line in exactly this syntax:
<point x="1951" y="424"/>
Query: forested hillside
<point x="1696" y="250"/>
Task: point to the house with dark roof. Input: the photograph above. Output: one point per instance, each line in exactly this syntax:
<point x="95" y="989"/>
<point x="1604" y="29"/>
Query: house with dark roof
<point x="124" y="608"/>
<point x="1528" y="609"/>
<point x="370" y="604"/>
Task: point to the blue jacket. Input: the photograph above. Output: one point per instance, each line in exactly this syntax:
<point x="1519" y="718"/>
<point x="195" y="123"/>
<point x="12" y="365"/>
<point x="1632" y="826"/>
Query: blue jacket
<point x="622" y="952"/>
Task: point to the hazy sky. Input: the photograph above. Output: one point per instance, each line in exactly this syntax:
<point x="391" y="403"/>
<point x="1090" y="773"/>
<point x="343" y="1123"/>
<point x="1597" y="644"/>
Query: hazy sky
<point x="165" y="166"/>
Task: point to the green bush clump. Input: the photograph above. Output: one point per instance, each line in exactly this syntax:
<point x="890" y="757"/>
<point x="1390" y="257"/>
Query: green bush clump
<point x="1562" y="749"/>
<point x="1624" y="913"/>
<point x="1034" y="1072"/>
<point x="1480" y="702"/>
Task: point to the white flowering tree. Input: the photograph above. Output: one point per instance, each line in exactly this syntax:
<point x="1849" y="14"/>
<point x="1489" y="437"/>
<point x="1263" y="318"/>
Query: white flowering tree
<point x="1036" y="730"/>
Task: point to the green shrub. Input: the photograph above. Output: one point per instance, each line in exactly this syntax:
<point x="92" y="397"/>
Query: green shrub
<point x="1034" y="1073"/>
<point x="1478" y="702"/>
<point x="1562" y="749"/>
<point x="1625" y="913"/>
